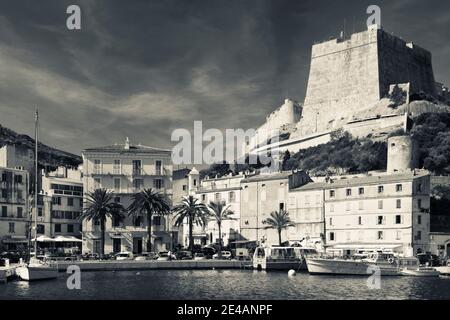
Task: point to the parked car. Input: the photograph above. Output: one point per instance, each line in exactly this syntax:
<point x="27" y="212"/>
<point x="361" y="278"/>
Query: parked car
<point x="147" y="256"/>
<point x="199" y="256"/>
<point x="225" y="255"/>
<point x="184" y="255"/>
<point x="208" y="252"/>
<point x="124" y="255"/>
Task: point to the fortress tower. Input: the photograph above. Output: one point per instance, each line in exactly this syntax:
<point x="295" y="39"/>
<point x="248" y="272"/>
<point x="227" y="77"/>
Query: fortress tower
<point x="349" y="75"/>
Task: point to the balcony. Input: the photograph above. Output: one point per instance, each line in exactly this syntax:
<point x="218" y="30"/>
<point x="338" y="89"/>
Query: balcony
<point x="106" y="173"/>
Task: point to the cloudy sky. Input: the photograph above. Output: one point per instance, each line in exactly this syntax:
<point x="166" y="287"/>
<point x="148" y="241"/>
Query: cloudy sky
<point x="144" y="68"/>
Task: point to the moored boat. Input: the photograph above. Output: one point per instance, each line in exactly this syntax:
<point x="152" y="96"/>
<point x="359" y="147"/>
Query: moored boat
<point x="420" y="272"/>
<point x="411" y="267"/>
<point x="281" y="258"/>
<point x="444" y="270"/>
<point x="385" y="263"/>
<point x="37" y="270"/>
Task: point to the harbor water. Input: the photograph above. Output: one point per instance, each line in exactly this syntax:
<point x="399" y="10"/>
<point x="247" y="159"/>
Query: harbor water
<point x="225" y="284"/>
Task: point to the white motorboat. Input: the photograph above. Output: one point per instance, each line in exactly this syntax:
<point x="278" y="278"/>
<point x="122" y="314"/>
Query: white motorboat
<point x="281" y="258"/>
<point x="385" y="263"/>
<point x="37" y="270"/>
<point x="420" y="272"/>
<point x="444" y="270"/>
<point x="411" y="267"/>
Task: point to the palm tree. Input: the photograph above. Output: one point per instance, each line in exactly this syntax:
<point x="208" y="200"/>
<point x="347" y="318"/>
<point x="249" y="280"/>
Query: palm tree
<point x="100" y="206"/>
<point x="278" y="220"/>
<point x="194" y="212"/>
<point x="220" y="212"/>
<point x="151" y="202"/>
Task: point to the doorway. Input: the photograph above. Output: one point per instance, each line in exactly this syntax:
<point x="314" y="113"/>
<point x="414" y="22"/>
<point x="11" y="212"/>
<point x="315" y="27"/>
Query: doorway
<point x="97" y="246"/>
<point x="448" y="249"/>
<point x="137" y="245"/>
<point x="117" y="244"/>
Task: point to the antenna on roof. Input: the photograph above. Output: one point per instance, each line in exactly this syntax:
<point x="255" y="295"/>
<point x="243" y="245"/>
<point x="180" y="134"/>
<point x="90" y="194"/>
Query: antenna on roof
<point x="344" y="27"/>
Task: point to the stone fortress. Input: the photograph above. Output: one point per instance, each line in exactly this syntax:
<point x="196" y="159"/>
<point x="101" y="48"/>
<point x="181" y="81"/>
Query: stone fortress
<point x="367" y="84"/>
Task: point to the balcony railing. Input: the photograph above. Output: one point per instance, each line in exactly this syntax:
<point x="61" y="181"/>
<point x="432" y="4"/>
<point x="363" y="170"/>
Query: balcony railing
<point x="134" y="172"/>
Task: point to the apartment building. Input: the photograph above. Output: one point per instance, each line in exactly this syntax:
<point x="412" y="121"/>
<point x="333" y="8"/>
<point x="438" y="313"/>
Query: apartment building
<point x="260" y="196"/>
<point x="61" y="204"/>
<point x="19" y="157"/>
<point x="125" y="169"/>
<point x="388" y="212"/>
<point x="182" y="186"/>
<point x="306" y="208"/>
<point x="225" y="189"/>
<point x="13" y="209"/>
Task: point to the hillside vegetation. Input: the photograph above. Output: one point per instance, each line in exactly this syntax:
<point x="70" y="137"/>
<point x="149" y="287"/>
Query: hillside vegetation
<point x="48" y="157"/>
<point x="345" y="154"/>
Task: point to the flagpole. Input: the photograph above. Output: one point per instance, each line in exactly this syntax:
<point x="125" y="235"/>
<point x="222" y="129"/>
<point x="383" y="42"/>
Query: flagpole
<point x="36" y="122"/>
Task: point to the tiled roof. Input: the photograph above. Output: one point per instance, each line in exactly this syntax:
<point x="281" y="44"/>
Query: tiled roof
<point x="180" y="173"/>
<point x="267" y="177"/>
<point x="359" y="181"/>
<point x="121" y="148"/>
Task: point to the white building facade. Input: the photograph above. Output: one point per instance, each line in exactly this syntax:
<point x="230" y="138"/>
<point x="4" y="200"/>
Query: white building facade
<point x="125" y="169"/>
<point x="306" y="209"/>
<point x="389" y="212"/>
<point x="226" y="189"/>
<point x="14" y="216"/>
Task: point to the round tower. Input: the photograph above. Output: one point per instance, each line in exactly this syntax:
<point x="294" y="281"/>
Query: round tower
<point x="402" y="154"/>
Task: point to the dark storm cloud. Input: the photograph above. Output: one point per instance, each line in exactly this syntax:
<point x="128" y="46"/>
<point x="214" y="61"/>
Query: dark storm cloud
<point x="143" y="68"/>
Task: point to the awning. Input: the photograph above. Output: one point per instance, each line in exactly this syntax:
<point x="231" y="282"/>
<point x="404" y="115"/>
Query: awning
<point x="115" y="235"/>
<point x="43" y="239"/>
<point x="138" y="234"/>
<point x="67" y="239"/>
<point x="15" y="239"/>
<point x="202" y="235"/>
<point x="91" y="236"/>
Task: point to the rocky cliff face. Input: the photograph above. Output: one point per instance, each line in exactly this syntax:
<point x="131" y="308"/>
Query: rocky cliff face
<point x="48" y="157"/>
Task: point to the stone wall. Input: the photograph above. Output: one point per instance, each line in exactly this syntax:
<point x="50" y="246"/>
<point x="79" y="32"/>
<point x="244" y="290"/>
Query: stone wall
<point x="347" y="76"/>
<point x="343" y="79"/>
<point x="401" y="62"/>
<point x="281" y="120"/>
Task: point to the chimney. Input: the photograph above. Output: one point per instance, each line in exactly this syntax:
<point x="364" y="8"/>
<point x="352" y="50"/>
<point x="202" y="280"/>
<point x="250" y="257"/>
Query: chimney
<point x="127" y="144"/>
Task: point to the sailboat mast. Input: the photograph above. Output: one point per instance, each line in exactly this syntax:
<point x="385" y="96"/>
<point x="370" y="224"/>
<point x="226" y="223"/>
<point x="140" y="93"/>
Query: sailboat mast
<point x="36" y="122"/>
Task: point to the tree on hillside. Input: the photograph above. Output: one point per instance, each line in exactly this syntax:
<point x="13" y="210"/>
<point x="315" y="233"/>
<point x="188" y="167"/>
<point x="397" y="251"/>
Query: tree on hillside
<point x="285" y="159"/>
<point x="431" y="133"/>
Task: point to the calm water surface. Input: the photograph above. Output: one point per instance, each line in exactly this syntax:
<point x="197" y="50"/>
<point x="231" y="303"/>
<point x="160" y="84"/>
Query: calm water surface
<point x="225" y="284"/>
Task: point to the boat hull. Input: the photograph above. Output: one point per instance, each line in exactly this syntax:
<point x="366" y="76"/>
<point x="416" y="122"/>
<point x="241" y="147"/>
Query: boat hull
<point x="444" y="271"/>
<point x="420" y="273"/>
<point x="279" y="265"/>
<point x="32" y="273"/>
<point x="348" y="267"/>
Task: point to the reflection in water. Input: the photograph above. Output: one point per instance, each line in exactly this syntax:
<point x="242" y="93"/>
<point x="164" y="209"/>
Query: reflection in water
<point x="23" y="286"/>
<point x="225" y="284"/>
